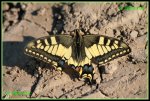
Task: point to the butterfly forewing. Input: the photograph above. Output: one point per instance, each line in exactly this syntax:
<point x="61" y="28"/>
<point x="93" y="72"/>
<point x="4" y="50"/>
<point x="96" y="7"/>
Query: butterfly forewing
<point x="50" y="48"/>
<point x="102" y="49"/>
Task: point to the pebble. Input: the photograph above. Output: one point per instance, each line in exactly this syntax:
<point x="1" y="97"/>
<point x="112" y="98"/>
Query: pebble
<point x="9" y="68"/>
<point x="134" y="34"/>
<point x="23" y="6"/>
<point x="104" y="22"/>
<point x="117" y="33"/>
<point x="5" y="7"/>
<point x="93" y="31"/>
<point x="77" y="13"/>
<point x="42" y="11"/>
<point x="111" y="68"/>
<point x="109" y="32"/>
<point x="142" y="31"/>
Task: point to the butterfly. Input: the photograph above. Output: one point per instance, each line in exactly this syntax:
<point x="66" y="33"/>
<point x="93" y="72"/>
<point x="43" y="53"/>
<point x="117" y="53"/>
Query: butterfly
<point x="78" y="51"/>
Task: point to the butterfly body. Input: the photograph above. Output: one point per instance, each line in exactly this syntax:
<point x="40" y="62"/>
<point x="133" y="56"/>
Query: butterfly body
<point x="78" y="51"/>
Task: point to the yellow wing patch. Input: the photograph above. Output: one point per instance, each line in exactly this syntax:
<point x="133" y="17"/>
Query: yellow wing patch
<point x="91" y="52"/>
<point x="39" y="45"/>
<point x="104" y="49"/>
<point x="108" y="42"/>
<point x="88" y="54"/>
<point x="72" y="61"/>
<point x="38" y="41"/>
<point x="112" y="47"/>
<point x="115" y="46"/>
<point x="85" y="61"/>
<point x="54" y="49"/>
<point x="53" y="40"/>
<point x="50" y="49"/>
<point x="100" y="50"/>
<point x="95" y="50"/>
<point x="108" y="48"/>
<point x="46" y="48"/>
<point x="60" y="50"/>
<point x="116" y="42"/>
<point x="68" y="53"/>
<point x="42" y="47"/>
<point x="101" y="40"/>
<point x="46" y="42"/>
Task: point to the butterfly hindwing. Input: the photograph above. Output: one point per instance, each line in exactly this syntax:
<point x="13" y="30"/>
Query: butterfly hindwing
<point x="50" y="48"/>
<point x="102" y="49"/>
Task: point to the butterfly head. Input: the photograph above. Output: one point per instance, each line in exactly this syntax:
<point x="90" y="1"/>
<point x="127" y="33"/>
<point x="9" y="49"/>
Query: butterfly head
<point x="77" y="33"/>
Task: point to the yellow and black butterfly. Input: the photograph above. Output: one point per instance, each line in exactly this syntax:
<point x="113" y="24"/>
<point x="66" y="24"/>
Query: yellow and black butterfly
<point x="78" y="51"/>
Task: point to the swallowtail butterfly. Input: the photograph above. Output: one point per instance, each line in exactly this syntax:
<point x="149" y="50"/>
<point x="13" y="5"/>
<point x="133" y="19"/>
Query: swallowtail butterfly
<point x="78" y="51"/>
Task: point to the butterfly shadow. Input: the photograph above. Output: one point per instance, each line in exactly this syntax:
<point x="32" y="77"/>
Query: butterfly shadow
<point x="13" y="55"/>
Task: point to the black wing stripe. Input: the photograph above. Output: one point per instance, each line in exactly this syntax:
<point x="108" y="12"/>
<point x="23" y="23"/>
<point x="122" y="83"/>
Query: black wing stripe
<point x="49" y="40"/>
<point x="111" y="42"/>
<point x="43" y="43"/>
<point x="105" y="41"/>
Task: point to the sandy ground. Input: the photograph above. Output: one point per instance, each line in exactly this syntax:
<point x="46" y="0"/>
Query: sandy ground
<point x="125" y="77"/>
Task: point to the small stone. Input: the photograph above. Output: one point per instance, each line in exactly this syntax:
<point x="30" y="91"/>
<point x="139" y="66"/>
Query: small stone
<point x="66" y="8"/>
<point x="117" y="33"/>
<point x="93" y="30"/>
<point x="99" y="24"/>
<point x="109" y="32"/>
<point x="104" y="22"/>
<point x="5" y="7"/>
<point x="142" y="31"/>
<point x="11" y="17"/>
<point x="14" y="10"/>
<point x="13" y="72"/>
<point x="14" y="3"/>
<point x="9" y="68"/>
<point x="134" y="34"/>
<point x="77" y="13"/>
<point x="111" y="68"/>
<point x="42" y="11"/>
<point x="23" y="6"/>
